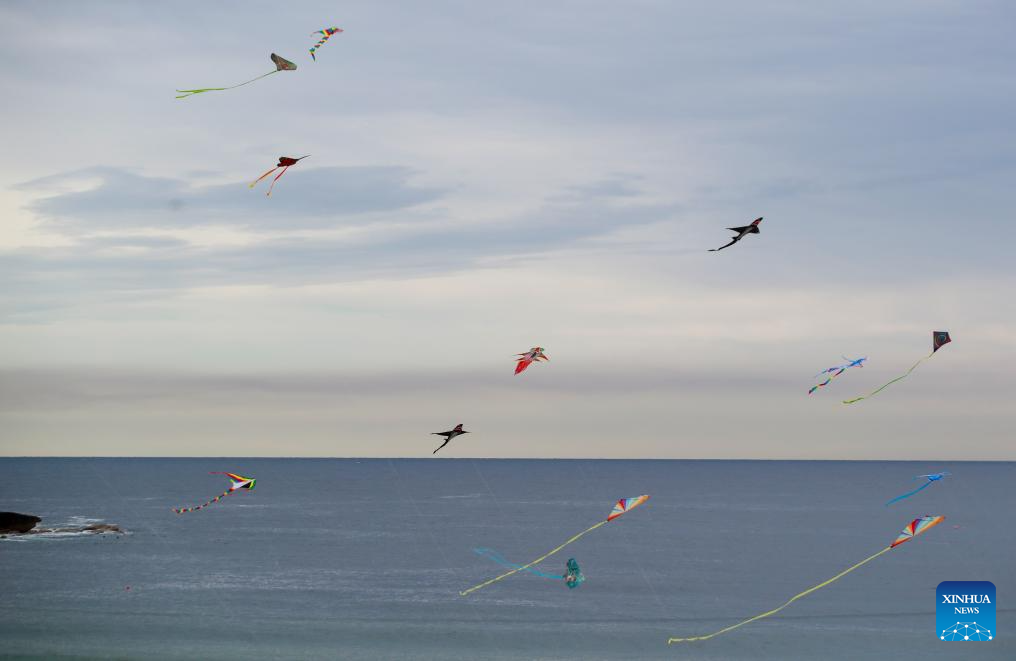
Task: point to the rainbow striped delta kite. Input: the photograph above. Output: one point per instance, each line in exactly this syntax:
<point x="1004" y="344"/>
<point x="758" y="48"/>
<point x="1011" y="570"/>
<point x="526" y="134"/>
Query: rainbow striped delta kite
<point x="238" y="482"/>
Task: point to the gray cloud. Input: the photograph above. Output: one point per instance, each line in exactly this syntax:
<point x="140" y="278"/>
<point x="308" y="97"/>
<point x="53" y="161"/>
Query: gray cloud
<point x="45" y="278"/>
<point x="305" y="197"/>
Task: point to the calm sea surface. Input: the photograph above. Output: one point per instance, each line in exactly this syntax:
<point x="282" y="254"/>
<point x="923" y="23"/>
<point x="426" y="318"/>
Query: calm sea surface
<point x="364" y="559"/>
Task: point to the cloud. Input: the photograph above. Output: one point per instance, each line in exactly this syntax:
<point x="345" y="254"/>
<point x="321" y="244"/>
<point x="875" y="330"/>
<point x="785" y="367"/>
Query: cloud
<point x="389" y="242"/>
<point x="306" y="197"/>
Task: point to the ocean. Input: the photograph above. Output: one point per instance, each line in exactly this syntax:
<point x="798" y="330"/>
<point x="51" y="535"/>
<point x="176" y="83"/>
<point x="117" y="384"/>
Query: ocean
<point x="365" y="558"/>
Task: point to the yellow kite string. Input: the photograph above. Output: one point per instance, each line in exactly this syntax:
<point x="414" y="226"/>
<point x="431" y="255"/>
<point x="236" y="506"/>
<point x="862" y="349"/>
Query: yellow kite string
<point x="777" y="610"/>
<point x="538" y="560"/>
<point x="899" y="378"/>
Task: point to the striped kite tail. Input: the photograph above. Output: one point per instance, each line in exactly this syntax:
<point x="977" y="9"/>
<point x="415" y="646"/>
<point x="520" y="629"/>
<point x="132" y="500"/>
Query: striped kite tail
<point x="182" y="510"/>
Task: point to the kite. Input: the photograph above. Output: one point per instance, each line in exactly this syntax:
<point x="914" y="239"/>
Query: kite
<point x="449" y="435"/>
<point x="934" y="477"/>
<point x="911" y="530"/>
<point x="284" y="162"/>
<point x="528" y="358"/>
<point x="938" y="340"/>
<point x="622" y="506"/>
<point x="281" y="64"/>
<point x="572" y="577"/>
<point x="327" y="32"/>
<point x="238" y="482"/>
<point x="741" y="233"/>
<point x="839" y="369"/>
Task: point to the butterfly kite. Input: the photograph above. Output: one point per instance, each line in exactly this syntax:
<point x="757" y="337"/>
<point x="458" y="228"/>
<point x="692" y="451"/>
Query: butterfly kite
<point x="572" y="577"/>
<point x="938" y="340"/>
<point x="284" y="162"/>
<point x="528" y="358"/>
<point x="934" y="477"/>
<point x="238" y="482"/>
<point x="281" y="64"/>
<point x="836" y="371"/>
<point x="327" y="32"/>
<point x="622" y="506"/>
<point x="911" y="530"/>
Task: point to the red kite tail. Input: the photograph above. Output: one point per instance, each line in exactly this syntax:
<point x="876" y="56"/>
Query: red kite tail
<point x="276" y="179"/>
<point x="263" y="176"/>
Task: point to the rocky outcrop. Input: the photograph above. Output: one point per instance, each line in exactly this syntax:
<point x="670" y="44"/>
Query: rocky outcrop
<point x="12" y="522"/>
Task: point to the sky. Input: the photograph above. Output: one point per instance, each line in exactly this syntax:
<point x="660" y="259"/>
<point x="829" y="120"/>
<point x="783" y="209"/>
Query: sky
<point x="486" y="177"/>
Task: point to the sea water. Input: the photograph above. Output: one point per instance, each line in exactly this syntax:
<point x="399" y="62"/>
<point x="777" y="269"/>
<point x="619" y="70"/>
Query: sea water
<point x="365" y="558"/>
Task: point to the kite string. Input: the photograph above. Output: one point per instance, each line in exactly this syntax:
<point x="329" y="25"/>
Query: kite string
<point x="534" y="562"/>
<point x="777" y="610"/>
<point x="875" y="392"/>
<point x="497" y="503"/>
<point x="501" y="560"/>
<point x="188" y="93"/>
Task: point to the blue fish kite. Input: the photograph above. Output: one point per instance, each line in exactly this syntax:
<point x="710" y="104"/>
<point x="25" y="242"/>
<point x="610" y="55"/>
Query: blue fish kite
<point x="932" y="478"/>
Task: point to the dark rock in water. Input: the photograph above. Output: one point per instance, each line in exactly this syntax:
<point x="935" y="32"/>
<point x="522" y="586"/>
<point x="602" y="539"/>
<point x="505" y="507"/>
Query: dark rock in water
<point x="11" y="522"/>
<point x="24" y="524"/>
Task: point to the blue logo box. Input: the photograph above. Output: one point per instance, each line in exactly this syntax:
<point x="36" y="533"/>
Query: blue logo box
<point x="965" y="611"/>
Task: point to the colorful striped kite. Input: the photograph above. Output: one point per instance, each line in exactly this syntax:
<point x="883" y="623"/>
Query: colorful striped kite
<point x="238" y="482"/>
<point x="284" y="162"/>
<point x="327" y="32"/>
<point x="938" y="340"/>
<point x="622" y="506"/>
<point x="911" y="530"/>
<point x="934" y="477"/>
<point x="281" y="64"/>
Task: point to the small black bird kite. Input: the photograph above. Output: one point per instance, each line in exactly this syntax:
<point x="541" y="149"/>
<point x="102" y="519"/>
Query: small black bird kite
<point x="741" y="233"/>
<point x="449" y="435"/>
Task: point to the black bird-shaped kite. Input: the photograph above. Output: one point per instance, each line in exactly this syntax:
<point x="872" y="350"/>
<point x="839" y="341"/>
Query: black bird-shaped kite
<point x="741" y="233"/>
<point x="449" y="435"/>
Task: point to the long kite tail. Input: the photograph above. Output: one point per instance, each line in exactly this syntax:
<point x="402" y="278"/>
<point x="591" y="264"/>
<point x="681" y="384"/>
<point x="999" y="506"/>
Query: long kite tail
<point x="254" y="183"/>
<point x="909" y="493"/>
<point x="777" y="610"/>
<point x="187" y="93"/>
<point x="537" y="561"/>
<point x="899" y="378"/>
<point x="500" y="559"/>
<point x="276" y="179"/>
<point x="819" y="385"/>
<point x="181" y="510"/>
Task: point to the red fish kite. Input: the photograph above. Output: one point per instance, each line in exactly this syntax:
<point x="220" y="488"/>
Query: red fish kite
<point x="528" y="358"/>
